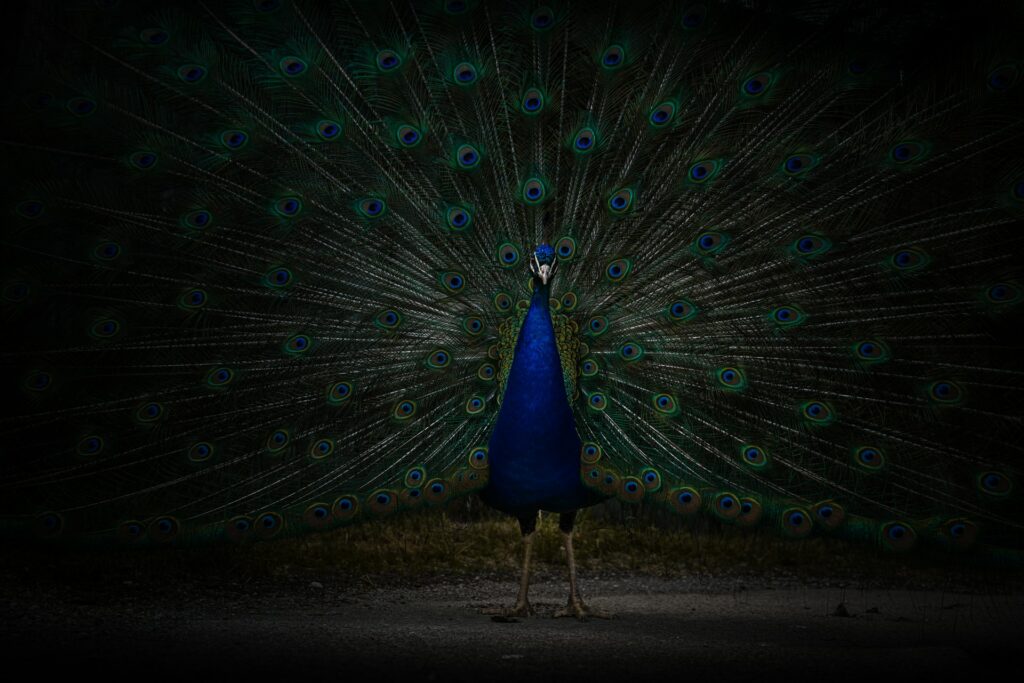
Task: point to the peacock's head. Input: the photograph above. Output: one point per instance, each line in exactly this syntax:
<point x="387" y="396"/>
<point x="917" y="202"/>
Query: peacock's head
<point x="543" y="263"/>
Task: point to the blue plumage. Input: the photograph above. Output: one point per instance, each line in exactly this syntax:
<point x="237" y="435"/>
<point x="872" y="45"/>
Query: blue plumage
<point x="534" y="448"/>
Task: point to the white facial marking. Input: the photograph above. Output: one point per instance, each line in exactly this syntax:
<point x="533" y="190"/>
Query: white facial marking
<point x="545" y="271"/>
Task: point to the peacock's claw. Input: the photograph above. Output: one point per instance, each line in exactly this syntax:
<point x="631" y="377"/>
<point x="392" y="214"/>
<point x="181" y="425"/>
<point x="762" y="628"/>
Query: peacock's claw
<point x="521" y="609"/>
<point x="577" y="608"/>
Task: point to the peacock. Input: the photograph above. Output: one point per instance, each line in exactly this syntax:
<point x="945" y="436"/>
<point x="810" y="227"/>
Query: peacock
<point x="277" y="267"/>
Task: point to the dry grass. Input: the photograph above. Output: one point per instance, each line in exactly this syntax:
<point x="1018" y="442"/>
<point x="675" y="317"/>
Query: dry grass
<point x="469" y="539"/>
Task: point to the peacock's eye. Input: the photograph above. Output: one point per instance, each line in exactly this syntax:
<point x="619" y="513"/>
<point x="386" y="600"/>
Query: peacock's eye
<point x="681" y="310"/>
<point x="198" y="219"/>
<point x="17" y="291"/>
<point x="754" y="456"/>
<point x="467" y="157"/>
<point x="143" y="160"/>
<point x="278" y="277"/>
<point x="710" y="243"/>
<point x="994" y="483"/>
<point x="405" y="409"/>
<point x="220" y="377"/>
<point x="809" y="246"/>
<point x="758" y="84"/>
<point x="508" y="254"/>
<point x="39" y="380"/>
<point x="439" y="359"/>
<point x="798" y="164"/>
<point x="107" y="251"/>
<point x="150" y="412"/>
<point x="631" y="351"/>
<point x="597" y="325"/>
<point x="617" y="270"/>
<point x="322" y="448"/>
<point x="621" y="201"/>
<point x="453" y="281"/>
<point x="906" y="152"/>
<point x="789" y="316"/>
<point x="154" y="36"/>
<point x="328" y="130"/>
<point x="534" y="191"/>
<point x="408" y="135"/>
<point x="372" y="207"/>
<point x="703" y="171"/>
<point x="475" y="404"/>
<point x="292" y="66"/>
<point x="945" y="391"/>
<point x="338" y="393"/>
<point x="1003" y="293"/>
<point x="388" y="60"/>
<point x="898" y="536"/>
<point x="465" y="73"/>
<point x="542" y="18"/>
<point x="613" y="57"/>
<point x="1003" y="77"/>
<point x="665" y="403"/>
<point x="104" y="328"/>
<point x="234" y="139"/>
<point x="730" y="378"/>
<point x="298" y="344"/>
<point x="502" y="302"/>
<point x="286" y="207"/>
<point x="662" y="114"/>
<point x="30" y="208"/>
<point x="532" y="101"/>
<point x="817" y="412"/>
<point x="585" y="139"/>
<point x="909" y="260"/>
<point x="565" y="248"/>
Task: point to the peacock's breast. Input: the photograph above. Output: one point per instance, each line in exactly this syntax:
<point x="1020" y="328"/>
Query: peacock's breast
<point x="534" y="447"/>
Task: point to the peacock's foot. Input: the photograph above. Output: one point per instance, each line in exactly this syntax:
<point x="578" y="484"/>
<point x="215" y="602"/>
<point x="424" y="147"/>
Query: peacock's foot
<point x="521" y="609"/>
<point x="577" y="608"/>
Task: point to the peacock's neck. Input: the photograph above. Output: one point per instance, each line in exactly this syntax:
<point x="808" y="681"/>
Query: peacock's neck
<point x="535" y="379"/>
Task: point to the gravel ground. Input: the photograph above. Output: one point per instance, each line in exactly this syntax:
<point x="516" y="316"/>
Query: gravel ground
<point x="431" y="628"/>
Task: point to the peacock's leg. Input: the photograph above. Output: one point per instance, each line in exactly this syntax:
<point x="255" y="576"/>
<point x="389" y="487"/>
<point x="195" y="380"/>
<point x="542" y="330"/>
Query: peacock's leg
<point x="575" y="607"/>
<point x="528" y="527"/>
<point x="523" y="607"/>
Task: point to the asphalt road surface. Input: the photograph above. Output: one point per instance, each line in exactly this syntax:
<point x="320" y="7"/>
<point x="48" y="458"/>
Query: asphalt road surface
<point x="432" y="629"/>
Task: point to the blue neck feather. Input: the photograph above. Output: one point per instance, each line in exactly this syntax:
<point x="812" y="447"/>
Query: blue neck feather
<point x="534" y="448"/>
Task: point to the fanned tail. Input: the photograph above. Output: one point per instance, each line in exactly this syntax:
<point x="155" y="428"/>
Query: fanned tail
<point x="262" y="254"/>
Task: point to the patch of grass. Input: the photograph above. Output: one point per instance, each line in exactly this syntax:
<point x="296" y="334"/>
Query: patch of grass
<point x="472" y="540"/>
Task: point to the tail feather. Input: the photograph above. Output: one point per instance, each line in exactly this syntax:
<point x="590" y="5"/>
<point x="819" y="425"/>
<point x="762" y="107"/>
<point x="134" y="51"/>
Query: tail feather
<point x="266" y="257"/>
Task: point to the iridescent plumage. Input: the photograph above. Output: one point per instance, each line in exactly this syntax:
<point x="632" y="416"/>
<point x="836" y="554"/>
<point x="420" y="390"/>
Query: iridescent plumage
<point x="274" y="268"/>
